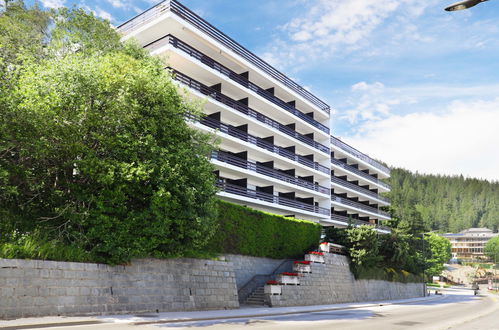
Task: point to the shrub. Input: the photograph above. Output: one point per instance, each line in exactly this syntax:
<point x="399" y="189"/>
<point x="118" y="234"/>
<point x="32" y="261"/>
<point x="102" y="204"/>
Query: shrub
<point x="242" y="230"/>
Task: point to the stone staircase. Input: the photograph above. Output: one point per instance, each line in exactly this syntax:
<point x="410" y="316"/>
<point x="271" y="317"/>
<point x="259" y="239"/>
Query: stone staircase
<point x="256" y="298"/>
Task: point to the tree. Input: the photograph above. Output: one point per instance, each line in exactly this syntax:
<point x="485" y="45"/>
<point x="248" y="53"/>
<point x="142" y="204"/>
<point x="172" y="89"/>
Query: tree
<point x="364" y="246"/>
<point x="95" y="151"/>
<point x="491" y="249"/>
<point x="440" y="249"/>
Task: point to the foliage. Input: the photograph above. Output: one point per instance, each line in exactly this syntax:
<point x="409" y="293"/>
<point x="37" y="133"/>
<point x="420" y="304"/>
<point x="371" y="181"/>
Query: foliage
<point x="444" y="203"/>
<point x="440" y="253"/>
<point x="94" y="149"/>
<point x="337" y="236"/>
<point x="364" y="246"/>
<point x="241" y="230"/>
<point x="491" y="249"/>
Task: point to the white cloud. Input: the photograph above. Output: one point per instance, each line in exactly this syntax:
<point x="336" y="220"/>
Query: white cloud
<point x="375" y="101"/>
<point x="462" y="140"/>
<point x="53" y="3"/>
<point x="117" y="3"/>
<point x="339" y="27"/>
<point x="103" y="14"/>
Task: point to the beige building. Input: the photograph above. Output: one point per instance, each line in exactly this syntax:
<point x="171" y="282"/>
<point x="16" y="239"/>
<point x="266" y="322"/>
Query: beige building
<point x="469" y="244"/>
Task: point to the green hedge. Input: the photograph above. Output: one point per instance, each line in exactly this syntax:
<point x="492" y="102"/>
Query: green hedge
<point x="242" y="230"/>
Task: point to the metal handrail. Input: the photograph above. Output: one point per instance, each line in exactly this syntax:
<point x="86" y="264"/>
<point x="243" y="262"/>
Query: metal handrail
<point x="273" y="173"/>
<point x="358" y="172"/>
<point x="189" y="16"/>
<point x="346" y="201"/>
<point x="208" y="61"/>
<point x="259" y="279"/>
<point x="350" y="185"/>
<point x="216" y="95"/>
<point x="357" y="221"/>
<point x="351" y="150"/>
<point x="259" y="142"/>
<point x="246" y="192"/>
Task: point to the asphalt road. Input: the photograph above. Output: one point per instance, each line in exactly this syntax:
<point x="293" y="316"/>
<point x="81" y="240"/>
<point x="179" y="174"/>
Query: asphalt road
<point x="456" y="310"/>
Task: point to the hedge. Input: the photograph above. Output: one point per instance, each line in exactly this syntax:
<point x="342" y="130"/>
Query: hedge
<point x="242" y="230"/>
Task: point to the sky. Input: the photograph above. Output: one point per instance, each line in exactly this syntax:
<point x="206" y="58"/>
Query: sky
<point x="408" y="83"/>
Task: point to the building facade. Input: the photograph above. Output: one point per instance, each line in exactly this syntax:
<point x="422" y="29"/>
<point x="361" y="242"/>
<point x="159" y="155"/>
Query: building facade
<point x="276" y="152"/>
<point x="468" y="244"/>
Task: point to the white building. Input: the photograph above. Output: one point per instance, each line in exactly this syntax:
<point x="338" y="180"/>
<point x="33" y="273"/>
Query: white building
<point x="276" y="152"/>
<point x="468" y="244"/>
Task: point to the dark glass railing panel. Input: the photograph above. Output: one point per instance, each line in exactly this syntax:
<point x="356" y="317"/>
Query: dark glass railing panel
<point x="242" y="191"/>
<point x="214" y="94"/>
<point x="189" y="16"/>
<point x="351" y="150"/>
<point x="208" y="61"/>
<point x="346" y="201"/>
<point x="358" y="188"/>
<point x="357" y="222"/>
<point x="232" y="131"/>
<point x="358" y="172"/>
<point x="248" y="165"/>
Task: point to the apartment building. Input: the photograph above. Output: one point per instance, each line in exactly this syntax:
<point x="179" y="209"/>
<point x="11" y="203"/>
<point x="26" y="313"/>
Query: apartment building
<point x="468" y="244"/>
<point x="277" y="153"/>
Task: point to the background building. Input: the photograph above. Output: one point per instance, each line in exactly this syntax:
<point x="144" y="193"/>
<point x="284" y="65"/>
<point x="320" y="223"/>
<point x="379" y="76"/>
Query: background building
<point x="468" y="244"/>
<point x="276" y="152"/>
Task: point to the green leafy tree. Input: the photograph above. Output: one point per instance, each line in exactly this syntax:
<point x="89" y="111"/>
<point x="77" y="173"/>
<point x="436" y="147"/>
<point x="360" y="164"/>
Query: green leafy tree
<point x="440" y="253"/>
<point x="491" y="249"/>
<point x="364" y="250"/>
<point x="95" y="151"/>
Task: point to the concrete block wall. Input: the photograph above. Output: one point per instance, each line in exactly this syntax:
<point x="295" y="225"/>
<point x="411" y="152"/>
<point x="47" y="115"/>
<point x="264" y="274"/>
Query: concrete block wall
<point x="332" y="283"/>
<point x="41" y="288"/>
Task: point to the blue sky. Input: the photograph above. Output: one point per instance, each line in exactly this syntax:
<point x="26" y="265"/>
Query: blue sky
<point x="410" y="84"/>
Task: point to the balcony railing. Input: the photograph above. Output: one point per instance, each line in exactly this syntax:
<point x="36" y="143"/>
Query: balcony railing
<point x="351" y="150"/>
<point x="248" y="165"/>
<point x="232" y="131"/>
<point x="358" y="188"/>
<point x="214" y="94"/>
<point x="358" y="172"/>
<point x="189" y="16"/>
<point x="346" y="201"/>
<point x="208" y="61"/>
<point x="242" y="191"/>
<point x="357" y="222"/>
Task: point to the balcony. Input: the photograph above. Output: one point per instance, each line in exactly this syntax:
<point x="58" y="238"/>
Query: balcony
<point x="214" y="94"/>
<point x="356" y="222"/>
<point x="232" y="131"/>
<point x="359" y="172"/>
<point x="190" y="17"/>
<point x="249" y="193"/>
<point x="245" y="164"/>
<point x="208" y="61"/>
<point x="357" y="205"/>
<point x="364" y="191"/>
<point x="352" y="151"/>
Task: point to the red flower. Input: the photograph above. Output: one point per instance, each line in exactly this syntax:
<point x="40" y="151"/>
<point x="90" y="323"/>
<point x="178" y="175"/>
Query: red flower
<point x="271" y="282"/>
<point x="316" y="253"/>
<point x="305" y="262"/>
<point x="289" y="274"/>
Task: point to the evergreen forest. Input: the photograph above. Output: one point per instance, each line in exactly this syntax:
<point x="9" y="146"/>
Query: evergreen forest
<point x="444" y="203"/>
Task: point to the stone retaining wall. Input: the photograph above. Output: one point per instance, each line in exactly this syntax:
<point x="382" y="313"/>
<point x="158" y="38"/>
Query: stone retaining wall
<point x="40" y="288"/>
<point x="245" y="267"/>
<point x="333" y="283"/>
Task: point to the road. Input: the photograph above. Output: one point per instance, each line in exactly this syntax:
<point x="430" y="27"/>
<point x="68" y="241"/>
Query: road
<point x="456" y="310"/>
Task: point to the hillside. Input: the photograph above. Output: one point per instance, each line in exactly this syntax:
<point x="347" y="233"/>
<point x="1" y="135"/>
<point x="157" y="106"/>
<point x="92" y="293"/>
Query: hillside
<point x="445" y="203"/>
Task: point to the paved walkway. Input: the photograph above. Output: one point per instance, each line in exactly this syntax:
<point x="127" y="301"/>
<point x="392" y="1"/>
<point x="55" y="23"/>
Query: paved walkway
<point x="175" y="317"/>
